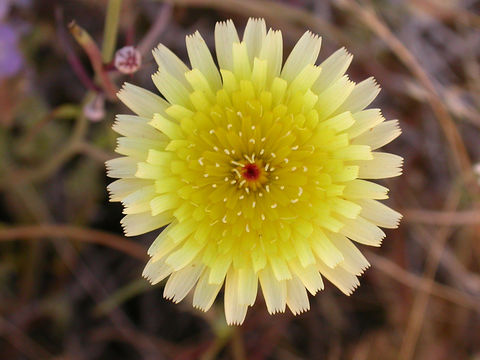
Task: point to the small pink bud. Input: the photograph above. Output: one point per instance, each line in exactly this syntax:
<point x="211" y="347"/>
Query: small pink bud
<point x="94" y="110"/>
<point x="127" y="60"/>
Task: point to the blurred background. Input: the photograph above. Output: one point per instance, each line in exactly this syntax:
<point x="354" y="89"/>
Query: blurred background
<point x="70" y="283"/>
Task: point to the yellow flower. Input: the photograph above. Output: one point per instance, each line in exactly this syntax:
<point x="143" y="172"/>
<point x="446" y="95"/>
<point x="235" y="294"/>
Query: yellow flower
<point x="259" y="170"/>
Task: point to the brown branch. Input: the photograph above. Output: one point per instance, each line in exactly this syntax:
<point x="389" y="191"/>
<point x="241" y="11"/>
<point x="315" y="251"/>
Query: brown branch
<point x="445" y="292"/>
<point x="444" y="218"/>
<point x="420" y="303"/>
<point x="75" y="233"/>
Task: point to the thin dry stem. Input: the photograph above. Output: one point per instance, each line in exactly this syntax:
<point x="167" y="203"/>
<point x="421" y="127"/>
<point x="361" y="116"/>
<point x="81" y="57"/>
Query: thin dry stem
<point x="75" y="233"/>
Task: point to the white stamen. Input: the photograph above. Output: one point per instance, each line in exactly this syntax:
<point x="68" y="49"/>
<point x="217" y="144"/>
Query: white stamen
<point x="294" y="201"/>
<point x="200" y="161"/>
<point x="267" y="187"/>
<point x="273" y="155"/>
<point x="224" y="219"/>
<point x="253" y="204"/>
<point x="211" y="132"/>
<point x="217" y="165"/>
<point x="294" y="168"/>
<point x="300" y="191"/>
<point x="295" y="147"/>
<point x="226" y="151"/>
<point x="215" y="148"/>
<point x="273" y="206"/>
<point x="247" y="229"/>
<point x="205" y="175"/>
<point x="262" y="216"/>
<point x="251" y="141"/>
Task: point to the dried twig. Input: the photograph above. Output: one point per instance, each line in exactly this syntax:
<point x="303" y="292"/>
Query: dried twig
<point x="75" y="233"/>
<point x="420" y="303"/>
<point x="444" y="218"/>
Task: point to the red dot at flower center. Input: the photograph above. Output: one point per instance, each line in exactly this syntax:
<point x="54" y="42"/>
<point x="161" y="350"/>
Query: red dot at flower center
<point x="251" y="172"/>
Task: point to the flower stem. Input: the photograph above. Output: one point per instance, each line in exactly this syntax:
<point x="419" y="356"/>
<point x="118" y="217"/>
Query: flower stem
<point x="110" y="30"/>
<point x="91" y="49"/>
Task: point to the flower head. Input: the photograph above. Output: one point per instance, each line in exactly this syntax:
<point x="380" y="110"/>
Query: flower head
<point x="260" y="170"/>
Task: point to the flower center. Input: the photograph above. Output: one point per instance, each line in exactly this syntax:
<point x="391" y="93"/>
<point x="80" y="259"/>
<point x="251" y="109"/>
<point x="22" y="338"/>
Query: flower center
<point x="251" y="172"/>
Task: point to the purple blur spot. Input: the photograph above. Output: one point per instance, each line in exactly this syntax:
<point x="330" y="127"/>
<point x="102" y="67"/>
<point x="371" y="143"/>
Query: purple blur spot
<point x="11" y="60"/>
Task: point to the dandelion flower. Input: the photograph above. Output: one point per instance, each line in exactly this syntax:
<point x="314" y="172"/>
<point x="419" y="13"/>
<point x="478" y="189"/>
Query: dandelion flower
<point x="259" y="170"/>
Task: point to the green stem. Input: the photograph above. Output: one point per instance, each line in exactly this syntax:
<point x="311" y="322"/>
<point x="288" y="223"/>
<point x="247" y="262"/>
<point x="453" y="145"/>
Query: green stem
<point x="111" y="29"/>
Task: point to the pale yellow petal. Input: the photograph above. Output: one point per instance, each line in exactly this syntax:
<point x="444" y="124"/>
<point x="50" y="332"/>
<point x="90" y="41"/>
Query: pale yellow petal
<point x="274" y="291"/>
<point x="121" y="188"/>
<point x="142" y="102"/>
<point x="156" y="271"/>
<point x="135" y="126"/>
<point x="169" y="63"/>
<point x="205" y="293"/>
<point x="379" y="214"/>
<point x="181" y="282"/>
<point x="225" y="36"/>
<point x="309" y="276"/>
<point x="172" y="89"/>
<point x="362" y="231"/>
<point x="254" y="36"/>
<point x="333" y="68"/>
<point x="383" y="165"/>
<point x="380" y="135"/>
<point x="234" y="311"/>
<point x="137" y="224"/>
<point x="124" y="167"/>
<point x="272" y="52"/>
<point x="339" y="277"/>
<point x="353" y="260"/>
<point x="304" y="52"/>
<point x="297" y="298"/>
<point x="361" y="96"/>
<point x="201" y="59"/>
